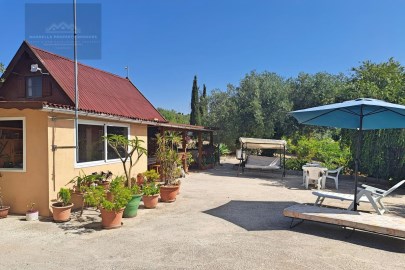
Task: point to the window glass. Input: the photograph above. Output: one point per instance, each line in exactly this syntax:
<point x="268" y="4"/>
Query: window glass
<point x="11" y="144"/>
<point x="117" y="131"/>
<point x="34" y="87"/>
<point x="91" y="144"/>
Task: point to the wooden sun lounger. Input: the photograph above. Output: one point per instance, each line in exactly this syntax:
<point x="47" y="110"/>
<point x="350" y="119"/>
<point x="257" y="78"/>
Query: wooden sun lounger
<point x="387" y="225"/>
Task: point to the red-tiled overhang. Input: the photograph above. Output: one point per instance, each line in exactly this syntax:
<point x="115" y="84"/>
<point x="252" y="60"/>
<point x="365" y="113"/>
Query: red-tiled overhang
<point x="99" y="91"/>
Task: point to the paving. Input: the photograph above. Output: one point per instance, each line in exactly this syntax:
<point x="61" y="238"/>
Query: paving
<point x="219" y="221"/>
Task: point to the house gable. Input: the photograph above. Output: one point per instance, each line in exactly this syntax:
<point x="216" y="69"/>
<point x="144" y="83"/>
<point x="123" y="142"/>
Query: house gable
<point x="14" y="87"/>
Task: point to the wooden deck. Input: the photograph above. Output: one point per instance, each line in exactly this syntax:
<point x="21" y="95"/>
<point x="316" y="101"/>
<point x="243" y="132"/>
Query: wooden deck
<point x="388" y="225"/>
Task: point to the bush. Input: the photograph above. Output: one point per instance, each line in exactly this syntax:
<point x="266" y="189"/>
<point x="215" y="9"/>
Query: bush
<point x="151" y="175"/>
<point x="223" y="149"/>
<point x="295" y="164"/>
<point x="323" y="149"/>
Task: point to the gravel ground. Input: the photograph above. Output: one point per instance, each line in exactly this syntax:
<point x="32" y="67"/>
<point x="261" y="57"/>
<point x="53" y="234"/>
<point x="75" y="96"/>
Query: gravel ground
<point x="219" y="221"/>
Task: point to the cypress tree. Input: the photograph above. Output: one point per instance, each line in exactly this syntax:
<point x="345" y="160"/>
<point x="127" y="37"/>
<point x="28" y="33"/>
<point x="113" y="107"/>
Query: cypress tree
<point x="203" y="105"/>
<point x="195" y="118"/>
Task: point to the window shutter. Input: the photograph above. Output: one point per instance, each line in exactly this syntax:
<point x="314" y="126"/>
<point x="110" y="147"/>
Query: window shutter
<point x="20" y="86"/>
<point x="46" y="86"/>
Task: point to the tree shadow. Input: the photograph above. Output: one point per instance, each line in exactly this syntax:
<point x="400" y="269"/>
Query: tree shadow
<point x="89" y="222"/>
<point x="268" y="215"/>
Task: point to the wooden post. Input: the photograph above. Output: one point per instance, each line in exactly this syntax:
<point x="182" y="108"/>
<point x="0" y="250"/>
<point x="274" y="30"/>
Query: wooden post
<point x="211" y="138"/>
<point x="200" y="150"/>
<point x="184" y="144"/>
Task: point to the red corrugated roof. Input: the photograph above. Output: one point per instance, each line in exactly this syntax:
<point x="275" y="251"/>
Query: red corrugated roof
<point x="99" y="91"/>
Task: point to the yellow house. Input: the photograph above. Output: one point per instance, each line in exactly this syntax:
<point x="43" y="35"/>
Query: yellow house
<point x="37" y="131"/>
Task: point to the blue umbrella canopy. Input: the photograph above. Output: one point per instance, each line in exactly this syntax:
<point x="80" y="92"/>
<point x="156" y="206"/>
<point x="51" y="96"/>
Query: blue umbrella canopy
<point x="360" y="114"/>
<point x="375" y="114"/>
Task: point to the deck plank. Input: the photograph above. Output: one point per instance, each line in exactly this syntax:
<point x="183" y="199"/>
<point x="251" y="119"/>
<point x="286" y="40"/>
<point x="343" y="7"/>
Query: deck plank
<point x="393" y="226"/>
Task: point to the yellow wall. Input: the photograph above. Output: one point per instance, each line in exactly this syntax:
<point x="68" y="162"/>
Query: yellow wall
<point x="64" y="158"/>
<point x="21" y="188"/>
<point x="36" y="184"/>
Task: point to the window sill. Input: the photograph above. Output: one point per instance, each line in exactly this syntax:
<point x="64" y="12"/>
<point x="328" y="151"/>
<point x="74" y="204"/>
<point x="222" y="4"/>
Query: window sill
<point x="12" y="170"/>
<point x="96" y="163"/>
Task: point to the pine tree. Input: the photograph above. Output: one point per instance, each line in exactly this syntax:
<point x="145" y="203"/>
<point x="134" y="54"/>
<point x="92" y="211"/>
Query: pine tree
<point x="195" y="117"/>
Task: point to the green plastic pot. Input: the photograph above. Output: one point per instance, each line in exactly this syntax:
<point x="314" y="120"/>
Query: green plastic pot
<point x="131" y="210"/>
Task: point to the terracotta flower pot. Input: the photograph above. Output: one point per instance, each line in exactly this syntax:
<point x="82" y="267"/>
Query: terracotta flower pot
<point x="168" y="193"/>
<point x="150" y="201"/>
<point x="111" y="219"/>
<point x="110" y="196"/>
<point x="105" y="185"/>
<point x="61" y="213"/>
<point x="140" y="179"/>
<point x="4" y="211"/>
<point x="77" y="198"/>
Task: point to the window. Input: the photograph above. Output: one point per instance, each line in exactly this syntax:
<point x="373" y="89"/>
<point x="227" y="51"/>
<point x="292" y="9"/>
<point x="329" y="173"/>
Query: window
<point x="118" y="131"/>
<point x="34" y="87"/>
<point x="92" y="146"/>
<point x="12" y="145"/>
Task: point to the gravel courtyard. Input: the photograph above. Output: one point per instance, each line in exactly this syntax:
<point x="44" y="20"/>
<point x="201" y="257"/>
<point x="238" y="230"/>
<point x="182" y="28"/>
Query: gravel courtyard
<point x="219" y="221"/>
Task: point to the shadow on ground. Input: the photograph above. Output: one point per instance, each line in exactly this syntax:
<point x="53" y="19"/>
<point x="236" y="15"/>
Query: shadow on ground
<point x="253" y="215"/>
<point x="267" y="215"/>
<point x="89" y="222"/>
<point x="361" y="238"/>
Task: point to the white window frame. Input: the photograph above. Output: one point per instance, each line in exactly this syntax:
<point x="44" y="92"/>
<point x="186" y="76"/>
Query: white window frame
<point x="105" y="160"/>
<point x="24" y="168"/>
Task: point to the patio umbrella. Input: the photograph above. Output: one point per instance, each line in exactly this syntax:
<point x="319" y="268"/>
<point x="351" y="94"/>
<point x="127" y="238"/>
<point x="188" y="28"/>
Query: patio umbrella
<point x="361" y="114"/>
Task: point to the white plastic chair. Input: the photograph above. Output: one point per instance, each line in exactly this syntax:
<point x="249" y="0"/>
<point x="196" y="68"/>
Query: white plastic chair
<point x="315" y="175"/>
<point x="333" y="174"/>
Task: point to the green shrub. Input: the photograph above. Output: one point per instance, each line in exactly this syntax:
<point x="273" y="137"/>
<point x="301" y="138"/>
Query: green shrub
<point x="323" y="149"/>
<point x="295" y="163"/>
<point x="223" y="149"/>
<point x="96" y="195"/>
<point x="151" y="189"/>
<point x="151" y="175"/>
<point x="64" y="196"/>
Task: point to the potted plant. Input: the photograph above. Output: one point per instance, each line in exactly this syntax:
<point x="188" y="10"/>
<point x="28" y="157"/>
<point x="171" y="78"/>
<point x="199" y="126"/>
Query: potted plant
<point x="170" y="161"/>
<point x="151" y="175"/>
<point x="80" y="182"/>
<point x="140" y="179"/>
<point x="131" y="209"/>
<point x="111" y="210"/>
<point x="32" y="213"/>
<point x="61" y="210"/>
<point x="150" y="196"/>
<point x="3" y="209"/>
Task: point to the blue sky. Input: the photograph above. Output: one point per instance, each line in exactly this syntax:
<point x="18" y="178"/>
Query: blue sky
<point x="165" y="43"/>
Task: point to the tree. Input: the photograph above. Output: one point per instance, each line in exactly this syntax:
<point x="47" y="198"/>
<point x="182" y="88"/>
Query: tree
<point x="195" y="117"/>
<point x="174" y="116"/>
<point x="2" y="69"/>
<point x="204" y="106"/>
<point x="125" y="149"/>
<point x="383" y="151"/>
<point x="222" y="112"/>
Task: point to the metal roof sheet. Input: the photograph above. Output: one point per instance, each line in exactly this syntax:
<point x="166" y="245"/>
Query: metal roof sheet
<point x="99" y="91"/>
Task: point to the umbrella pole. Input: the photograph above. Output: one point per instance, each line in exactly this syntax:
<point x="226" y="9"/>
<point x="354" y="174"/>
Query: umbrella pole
<point x="357" y="161"/>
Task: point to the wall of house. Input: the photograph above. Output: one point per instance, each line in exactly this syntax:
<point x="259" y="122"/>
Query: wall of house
<point x="64" y="158"/>
<point x="22" y="188"/>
